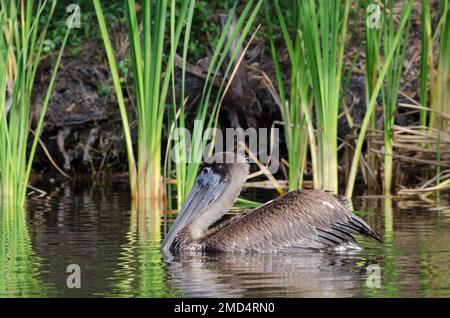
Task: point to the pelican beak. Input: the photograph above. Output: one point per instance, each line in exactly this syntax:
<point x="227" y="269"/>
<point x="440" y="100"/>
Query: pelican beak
<point x="207" y="188"/>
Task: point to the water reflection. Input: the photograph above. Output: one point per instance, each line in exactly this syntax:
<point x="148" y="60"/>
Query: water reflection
<point x="19" y="266"/>
<point x="79" y="226"/>
<point x="116" y="244"/>
<point x="139" y="270"/>
<point x="303" y="274"/>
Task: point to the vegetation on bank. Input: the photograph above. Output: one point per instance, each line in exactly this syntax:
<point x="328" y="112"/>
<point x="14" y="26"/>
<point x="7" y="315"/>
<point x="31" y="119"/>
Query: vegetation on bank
<point x="21" y="46"/>
<point x="315" y="42"/>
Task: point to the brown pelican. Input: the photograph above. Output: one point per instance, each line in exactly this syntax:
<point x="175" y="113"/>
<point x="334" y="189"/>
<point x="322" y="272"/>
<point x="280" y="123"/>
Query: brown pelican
<point x="300" y="219"/>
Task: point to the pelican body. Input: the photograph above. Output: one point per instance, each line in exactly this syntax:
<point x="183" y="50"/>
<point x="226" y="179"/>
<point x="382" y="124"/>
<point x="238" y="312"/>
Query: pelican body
<point x="312" y="219"/>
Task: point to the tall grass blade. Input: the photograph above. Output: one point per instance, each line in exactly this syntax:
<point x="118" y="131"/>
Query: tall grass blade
<point x="151" y="77"/>
<point x="372" y="102"/>
<point x="392" y="79"/>
<point x="440" y="94"/>
<point x="426" y="59"/>
<point x="189" y="155"/>
<point x="295" y="111"/>
<point x="21" y="30"/>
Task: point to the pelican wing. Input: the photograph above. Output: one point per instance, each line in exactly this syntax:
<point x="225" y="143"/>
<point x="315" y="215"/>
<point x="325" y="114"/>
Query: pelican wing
<point x="303" y="219"/>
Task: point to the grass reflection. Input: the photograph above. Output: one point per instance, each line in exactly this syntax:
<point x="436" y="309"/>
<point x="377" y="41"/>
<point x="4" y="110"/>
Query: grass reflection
<point x="140" y="272"/>
<point x="19" y="265"/>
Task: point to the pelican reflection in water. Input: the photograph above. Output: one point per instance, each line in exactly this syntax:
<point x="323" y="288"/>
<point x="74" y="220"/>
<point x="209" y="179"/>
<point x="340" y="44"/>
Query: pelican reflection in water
<point x="311" y="219"/>
<point x="301" y="274"/>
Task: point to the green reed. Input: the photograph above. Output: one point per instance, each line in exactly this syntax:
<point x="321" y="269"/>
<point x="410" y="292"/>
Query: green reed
<point x="426" y="59"/>
<point x="22" y="35"/>
<point x="372" y="60"/>
<point x="316" y="54"/>
<point x="295" y="110"/>
<point x="440" y="94"/>
<point x="188" y="151"/>
<point x="392" y="79"/>
<point x="152" y="74"/>
<point x="386" y="66"/>
<point x="151" y="78"/>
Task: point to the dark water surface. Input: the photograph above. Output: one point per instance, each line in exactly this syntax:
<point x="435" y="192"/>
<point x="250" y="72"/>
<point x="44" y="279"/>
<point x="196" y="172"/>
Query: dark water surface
<point x="116" y="246"/>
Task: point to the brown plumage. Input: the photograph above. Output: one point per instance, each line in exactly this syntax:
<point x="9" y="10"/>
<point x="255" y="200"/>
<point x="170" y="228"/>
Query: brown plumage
<point x="300" y="219"/>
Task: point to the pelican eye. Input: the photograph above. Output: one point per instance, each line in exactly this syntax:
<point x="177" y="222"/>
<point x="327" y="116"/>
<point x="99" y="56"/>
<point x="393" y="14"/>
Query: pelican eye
<point x="206" y="170"/>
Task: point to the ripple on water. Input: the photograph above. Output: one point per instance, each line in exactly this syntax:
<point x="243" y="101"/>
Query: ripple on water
<point x="118" y="252"/>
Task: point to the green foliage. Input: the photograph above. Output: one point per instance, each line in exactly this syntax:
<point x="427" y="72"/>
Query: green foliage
<point x="426" y="58"/>
<point x="316" y="54"/>
<point x="205" y="28"/>
<point x="440" y="95"/>
<point x="393" y="76"/>
<point x="188" y="159"/>
<point x="21" y="45"/>
<point x="386" y="67"/>
<point x="113" y="11"/>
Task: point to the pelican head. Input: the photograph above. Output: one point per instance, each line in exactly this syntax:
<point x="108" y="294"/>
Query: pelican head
<point x="216" y="188"/>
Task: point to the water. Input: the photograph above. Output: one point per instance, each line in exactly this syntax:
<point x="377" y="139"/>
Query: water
<point x="117" y="248"/>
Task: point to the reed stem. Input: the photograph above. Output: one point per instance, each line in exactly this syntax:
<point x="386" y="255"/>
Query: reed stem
<point x="21" y="44"/>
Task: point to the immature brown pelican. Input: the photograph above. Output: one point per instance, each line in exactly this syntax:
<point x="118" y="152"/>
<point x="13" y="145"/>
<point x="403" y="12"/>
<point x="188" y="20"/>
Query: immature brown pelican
<point x="300" y="219"/>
